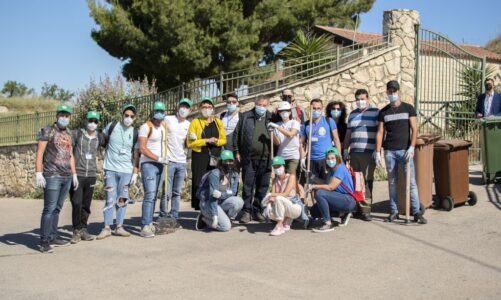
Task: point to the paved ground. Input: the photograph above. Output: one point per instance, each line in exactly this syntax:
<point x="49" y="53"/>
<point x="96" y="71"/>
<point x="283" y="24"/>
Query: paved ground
<point x="457" y="255"/>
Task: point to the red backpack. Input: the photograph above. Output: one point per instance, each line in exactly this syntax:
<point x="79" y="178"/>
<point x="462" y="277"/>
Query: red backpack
<point x="358" y="184"/>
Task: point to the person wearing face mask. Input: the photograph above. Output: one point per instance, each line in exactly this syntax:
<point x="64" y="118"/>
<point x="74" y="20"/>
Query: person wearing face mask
<point x="397" y="124"/>
<point x="336" y="110"/>
<point x="489" y="103"/>
<point x="154" y="158"/>
<point x="286" y="136"/>
<point x="177" y="129"/>
<point x="297" y="113"/>
<point x="230" y="119"/>
<point x="324" y="135"/>
<point x="360" y="144"/>
<point x="334" y="195"/>
<point x="87" y="143"/>
<point x="55" y="173"/>
<point x="121" y="166"/>
<point x="251" y="143"/>
<point x="280" y="203"/>
<point x="206" y="136"/>
<point x="219" y="203"/>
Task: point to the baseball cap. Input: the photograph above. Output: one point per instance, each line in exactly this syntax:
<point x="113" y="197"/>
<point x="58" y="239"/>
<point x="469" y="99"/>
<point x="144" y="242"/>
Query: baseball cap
<point x="159" y="106"/>
<point x="93" y="115"/>
<point x="127" y="106"/>
<point x="278" y="161"/>
<point x="207" y="99"/>
<point x="226" y="155"/>
<point x="332" y="150"/>
<point x="186" y="101"/>
<point x="284" y="105"/>
<point x="63" y="108"/>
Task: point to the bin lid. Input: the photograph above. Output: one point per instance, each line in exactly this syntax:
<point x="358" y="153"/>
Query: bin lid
<point x="491" y="119"/>
<point x="452" y="145"/>
<point x="426" y="139"/>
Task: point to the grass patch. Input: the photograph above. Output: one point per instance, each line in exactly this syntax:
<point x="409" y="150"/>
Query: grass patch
<point x="23" y="105"/>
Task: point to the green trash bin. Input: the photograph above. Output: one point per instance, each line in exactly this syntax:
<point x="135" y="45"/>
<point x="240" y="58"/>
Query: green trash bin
<point x="490" y="141"/>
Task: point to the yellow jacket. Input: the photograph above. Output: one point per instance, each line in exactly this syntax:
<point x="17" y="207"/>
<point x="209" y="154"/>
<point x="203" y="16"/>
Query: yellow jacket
<point x="196" y="127"/>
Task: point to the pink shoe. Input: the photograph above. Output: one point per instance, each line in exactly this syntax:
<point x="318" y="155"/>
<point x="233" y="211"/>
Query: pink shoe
<point x="287" y="224"/>
<point x="277" y="231"/>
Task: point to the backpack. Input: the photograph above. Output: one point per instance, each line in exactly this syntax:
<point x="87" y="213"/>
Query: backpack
<point x="358" y="184"/>
<point x="110" y="131"/>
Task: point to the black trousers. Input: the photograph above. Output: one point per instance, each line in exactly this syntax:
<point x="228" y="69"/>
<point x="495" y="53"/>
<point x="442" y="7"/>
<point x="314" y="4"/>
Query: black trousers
<point x="81" y="200"/>
<point x="256" y="176"/>
<point x="199" y="166"/>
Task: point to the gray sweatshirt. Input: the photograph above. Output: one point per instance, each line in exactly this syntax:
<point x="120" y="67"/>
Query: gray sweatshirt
<point x="85" y="150"/>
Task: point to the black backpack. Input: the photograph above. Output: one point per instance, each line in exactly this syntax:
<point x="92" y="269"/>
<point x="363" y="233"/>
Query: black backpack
<point x="108" y="133"/>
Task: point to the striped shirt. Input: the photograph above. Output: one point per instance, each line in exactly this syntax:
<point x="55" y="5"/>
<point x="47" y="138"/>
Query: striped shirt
<point x="363" y="127"/>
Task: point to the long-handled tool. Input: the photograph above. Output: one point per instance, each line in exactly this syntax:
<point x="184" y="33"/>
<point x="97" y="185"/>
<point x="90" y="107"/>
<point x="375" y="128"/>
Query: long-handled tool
<point x="272" y="146"/>
<point x="407" y="191"/>
<point x="308" y="163"/>
<point x="166" y="166"/>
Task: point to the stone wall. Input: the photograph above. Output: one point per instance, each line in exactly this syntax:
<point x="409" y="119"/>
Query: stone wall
<point x="17" y="170"/>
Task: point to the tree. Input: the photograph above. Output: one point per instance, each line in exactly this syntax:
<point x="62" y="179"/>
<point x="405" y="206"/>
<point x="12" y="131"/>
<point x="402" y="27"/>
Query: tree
<point x="13" y="88"/>
<point x="176" y="41"/>
<point x="494" y="44"/>
<point x="54" y="92"/>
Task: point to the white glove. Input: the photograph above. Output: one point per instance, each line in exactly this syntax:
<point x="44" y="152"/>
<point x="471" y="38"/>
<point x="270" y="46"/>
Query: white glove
<point x="133" y="180"/>
<point x="39" y="180"/>
<point x="377" y="158"/>
<point x="192" y="136"/>
<point x="75" y="182"/>
<point x="272" y="125"/>
<point x="163" y="160"/>
<point x="214" y="222"/>
<point x="409" y="154"/>
<point x="346" y="155"/>
<point x="216" y="194"/>
<point x="229" y="192"/>
<point x="303" y="163"/>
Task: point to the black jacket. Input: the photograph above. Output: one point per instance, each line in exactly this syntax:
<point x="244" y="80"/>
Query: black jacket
<point x="242" y="137"/>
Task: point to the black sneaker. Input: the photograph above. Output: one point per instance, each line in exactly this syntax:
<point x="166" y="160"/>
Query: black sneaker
<point x="244" y="218"/>
<point x="86" y="236"/>
<point x="418" y="218"/>
<point x="45" y="247"/>
<point x="258" y="216"/>
<point x="366" y="217"/>
<point x="59" y="243"/>
<point x="324" y="228"/>
<point x="200" y="224"/>
<point x="345" y="219"/>
<point x="392" y="217"/>
<point x="77" y="236"/>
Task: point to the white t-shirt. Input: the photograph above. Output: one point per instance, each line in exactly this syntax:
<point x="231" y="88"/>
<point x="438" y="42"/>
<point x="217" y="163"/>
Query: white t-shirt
<point x="155" y="143"/>
<point x="289" y="147"/>
<point x="177" y="131"/>
<point x="229" y="123"/>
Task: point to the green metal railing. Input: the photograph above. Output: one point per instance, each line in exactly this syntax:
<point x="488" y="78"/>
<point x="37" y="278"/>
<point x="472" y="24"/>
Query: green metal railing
<point x="246" y="83"/>
<point x="448" y="81"/>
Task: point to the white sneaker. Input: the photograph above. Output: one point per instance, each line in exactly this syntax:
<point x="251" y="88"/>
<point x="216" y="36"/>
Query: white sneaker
<point x="214" y="222"/>
<point x="147" y="231"/>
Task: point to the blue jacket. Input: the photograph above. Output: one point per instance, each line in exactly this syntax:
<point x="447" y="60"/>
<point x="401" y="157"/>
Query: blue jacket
<point x="212" y="184"/>
<point x="495" y="105"/>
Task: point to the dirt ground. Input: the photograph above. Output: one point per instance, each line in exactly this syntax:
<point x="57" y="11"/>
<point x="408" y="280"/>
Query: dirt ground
<point x="457" y="255"/>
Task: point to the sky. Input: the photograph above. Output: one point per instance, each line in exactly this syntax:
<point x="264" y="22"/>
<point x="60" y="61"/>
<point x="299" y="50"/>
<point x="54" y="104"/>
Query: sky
<point x="49" y="41"/>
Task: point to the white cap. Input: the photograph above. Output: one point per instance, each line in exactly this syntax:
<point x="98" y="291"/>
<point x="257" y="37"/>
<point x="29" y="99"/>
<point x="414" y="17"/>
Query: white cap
<point x="284" y="105"/>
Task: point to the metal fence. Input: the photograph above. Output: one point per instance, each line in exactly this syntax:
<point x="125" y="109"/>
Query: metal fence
<point x="247" y="82"/>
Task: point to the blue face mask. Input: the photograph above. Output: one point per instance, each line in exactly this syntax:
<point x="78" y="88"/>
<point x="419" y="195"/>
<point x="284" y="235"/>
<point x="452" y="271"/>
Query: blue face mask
<point x="331" y="163"/>
<point x="392" y="98"/>
<point x="63" y="121"/>
<point x="260" y="110"/>
<point x="335" y="113"/>
<point x="231" y="108"/>
<point x="158" y="115"/>
<point x="317" y="114"/>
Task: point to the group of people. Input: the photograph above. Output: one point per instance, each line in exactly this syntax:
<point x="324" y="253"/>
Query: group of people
<point x="307" y="155"/>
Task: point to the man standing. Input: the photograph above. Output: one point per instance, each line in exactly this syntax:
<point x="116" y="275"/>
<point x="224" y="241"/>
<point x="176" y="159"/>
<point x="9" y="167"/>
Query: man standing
<point x="55" y="172"/>
<point x="120" y="168"/>
<point x="298" y="113"/>
<point x="230" y="119"/>
<point x="489" y="103"/>
<point x="86" y="145"/>
<point x="360" y="143"/>
<point x="397" y="124"/>
<point x="251" y="142"/>
<point x="177" y="130"/>
<point x="153" y="160"/>
<point x="324" y="133"/>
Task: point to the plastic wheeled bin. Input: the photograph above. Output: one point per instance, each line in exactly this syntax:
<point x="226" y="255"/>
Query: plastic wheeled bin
<point x="490" y="139"/>
<point x="423" y="166"/>
<point x="450" y="166"/>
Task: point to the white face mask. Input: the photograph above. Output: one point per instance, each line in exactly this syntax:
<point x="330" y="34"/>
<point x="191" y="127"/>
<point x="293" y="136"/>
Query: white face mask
<point x="285" y="115"/>
<point x="206" y="112"/>
<point x="183" y="112"/>
<point x="361" y="104"/>
<point x="280" y="171"/>
<point x="128" y="121"/>
<point x="91" y="126"/>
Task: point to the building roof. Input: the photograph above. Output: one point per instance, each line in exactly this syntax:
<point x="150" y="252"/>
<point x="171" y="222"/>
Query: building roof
<point x="361" y="37"/>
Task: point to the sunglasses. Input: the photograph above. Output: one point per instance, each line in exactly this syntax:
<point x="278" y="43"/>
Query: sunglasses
<point x="129" y="116"/>
<point x="93" y="121"/>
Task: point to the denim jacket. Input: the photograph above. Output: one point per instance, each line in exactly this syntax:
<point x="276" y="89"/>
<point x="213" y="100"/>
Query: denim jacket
<point x="212" y="184"/>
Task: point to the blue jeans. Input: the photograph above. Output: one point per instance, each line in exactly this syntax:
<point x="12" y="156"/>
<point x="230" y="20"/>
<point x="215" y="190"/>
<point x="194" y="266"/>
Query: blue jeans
<point x="332" y="201"/>
<point x="152" y="174"/>
<point x="396" y="159"/>
<point x="175" y="179"/>
<point x="56" y="190"/>
<point x="117" y="194"/>
<point x="227" y="210"/>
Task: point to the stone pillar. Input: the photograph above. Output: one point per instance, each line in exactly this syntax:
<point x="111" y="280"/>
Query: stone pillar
<point x="399" y="25"/>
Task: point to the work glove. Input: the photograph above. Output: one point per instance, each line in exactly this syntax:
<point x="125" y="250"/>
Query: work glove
<point x="216" y="194"/>
<point x="163" y="160"/>
<point x="377" y="158"/>
<point x="346" y="155"/>
<point x="133" y="180"/>
<point x="409" y="154"/>
<point x="214" y="222"/>
<point x="75" y="182"/>
<point x="39" y="180"/>
<point x="192" y="136"/>
<point x="272" y="125"/>
<point x="303" y="164"/>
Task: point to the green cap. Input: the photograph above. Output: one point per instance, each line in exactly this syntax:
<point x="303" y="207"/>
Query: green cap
<point x="63" y="108"/>
<point x="186" y="101"/>
<point x="128" y="106"/>
<point x="226" y="155"/>
<point x="159" y="106"/>
<point x="207" y="99"/>
<point x="332" y="150"/>
<point x="278" y="161"/>
<point x="93" y="115"/>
